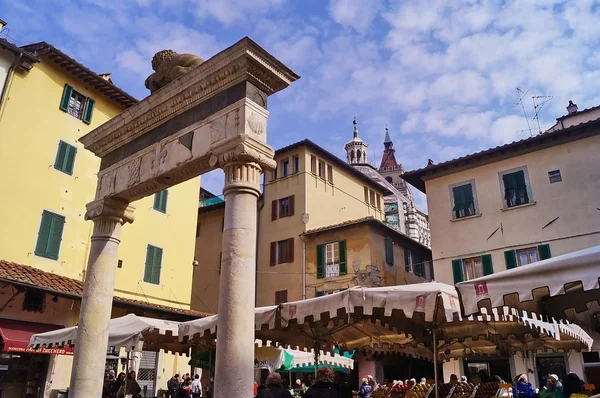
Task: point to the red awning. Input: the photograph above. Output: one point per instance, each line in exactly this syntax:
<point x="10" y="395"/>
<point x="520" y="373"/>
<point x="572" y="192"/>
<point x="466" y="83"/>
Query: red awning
<point x="16" y="334"/>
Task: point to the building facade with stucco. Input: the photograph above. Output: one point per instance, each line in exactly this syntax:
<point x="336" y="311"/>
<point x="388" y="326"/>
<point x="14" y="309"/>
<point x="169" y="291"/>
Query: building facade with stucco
<point x="49" y="100"/>
<point x="316" y="212"/>
<point x="513" y="205"/>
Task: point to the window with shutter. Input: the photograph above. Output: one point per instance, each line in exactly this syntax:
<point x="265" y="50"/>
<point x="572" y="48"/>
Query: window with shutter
<point x="457" y="270"/>
<point x="510" y="257"/>
<point x="66" y="97"/>
<point x="292" y="205"/>
<point x="472" y="268"/>
<point x="320" y="261"/>
<point x="463" y="201"/>
<point x="284" y="207"/>
<point x="160" y="201"/>
<point x="65" y="157"/>
<point x="313" y="164"/>
<point x="281" y="297"/>
<point x="285" y="168"/>
<point x="296" y="164"/>
<point x="49" y="235"/>
<point x="516" y="192"/>
<point x="274" y="210"/>
<point x="343" y="262"/>
<point x="273" y="256"/>
<point x="544" y="251"/>
<point x="526" y="256"/>
<point x="488" y="267"/>
<point x="389" y="251"/>
<point x="330" y="173"/>
<point x="153" y="264"/>
<point x="88" y="111"/>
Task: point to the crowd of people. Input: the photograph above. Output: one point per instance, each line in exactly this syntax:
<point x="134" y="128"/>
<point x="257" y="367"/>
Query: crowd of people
<point x="330" y="384"/>
<point x="121" y="386"/>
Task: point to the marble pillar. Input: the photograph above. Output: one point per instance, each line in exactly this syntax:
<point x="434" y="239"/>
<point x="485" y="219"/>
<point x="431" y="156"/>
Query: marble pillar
<point x="234" y="364"/>
<point x="108" y="216"/>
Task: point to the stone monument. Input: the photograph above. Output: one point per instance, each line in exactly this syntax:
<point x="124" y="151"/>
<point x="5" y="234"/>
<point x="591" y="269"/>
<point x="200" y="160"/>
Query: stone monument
<point x="200" y="116"/>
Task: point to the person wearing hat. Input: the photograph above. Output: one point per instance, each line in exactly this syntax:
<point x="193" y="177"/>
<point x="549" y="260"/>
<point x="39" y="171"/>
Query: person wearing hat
<point x="553" y="384"/>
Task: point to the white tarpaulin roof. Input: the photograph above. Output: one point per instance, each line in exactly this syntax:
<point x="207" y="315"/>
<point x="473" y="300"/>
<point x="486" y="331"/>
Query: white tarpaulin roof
<point x="126" y="331"/>
<point x="563" y="287"/>
<point x="386" y="319"/>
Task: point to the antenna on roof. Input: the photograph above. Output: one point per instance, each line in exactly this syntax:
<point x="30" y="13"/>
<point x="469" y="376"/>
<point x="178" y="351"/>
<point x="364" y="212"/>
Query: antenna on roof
<point x="538" y="107"/>
<point x="522" y="95"/>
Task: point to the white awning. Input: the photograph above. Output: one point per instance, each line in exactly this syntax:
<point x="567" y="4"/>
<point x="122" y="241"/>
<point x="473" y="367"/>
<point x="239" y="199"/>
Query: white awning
<point x="563" y="287"/>
<point x="127" y="331"/>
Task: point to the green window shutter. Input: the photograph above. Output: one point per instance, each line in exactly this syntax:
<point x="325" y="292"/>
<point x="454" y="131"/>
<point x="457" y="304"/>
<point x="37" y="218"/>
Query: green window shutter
<point x="163" y="203"/>
<point x="486" y="262"/>
<point x="61" y="155"/>
<point x="149" y="263"/>
<point x="389" y="251"/>
<point x="544" y="251"/>
<point x="457" y="270"/>
<point x="65" y="157"/>
<point x="70" y="159"/>
<point x="66" y="97"/>
<point x="43" y="234"/>
<point x="56" y="231"/>
<point x="343" y="264"/>
<point x="457" y="193"/>
<point x="510" y="257"/>
<point x="320" y="261"/>
<point x="157" y="265"/>
<point x="160" y="201"/>
<point x="88" y="111"/>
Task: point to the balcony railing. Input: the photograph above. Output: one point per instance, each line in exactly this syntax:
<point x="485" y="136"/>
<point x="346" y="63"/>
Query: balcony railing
<point x="211" y="201"/>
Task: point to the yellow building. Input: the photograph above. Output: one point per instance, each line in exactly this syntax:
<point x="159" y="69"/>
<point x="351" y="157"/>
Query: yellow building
<point x="49" y="100"/>
<point x="310" y="189"/>
<point x="513" y="205"/>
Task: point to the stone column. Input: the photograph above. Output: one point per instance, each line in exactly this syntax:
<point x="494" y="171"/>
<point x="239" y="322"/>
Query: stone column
<point x="234" y="370"/>
<point x="96" y="305"/>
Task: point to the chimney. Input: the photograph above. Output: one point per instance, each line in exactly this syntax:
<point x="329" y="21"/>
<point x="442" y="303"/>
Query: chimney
<point x="572" y="108"/>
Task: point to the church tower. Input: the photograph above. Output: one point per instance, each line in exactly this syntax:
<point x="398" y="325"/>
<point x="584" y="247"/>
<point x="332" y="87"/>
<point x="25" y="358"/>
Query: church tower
<point x="390" y="169"/>
<point x="356" y="150"/>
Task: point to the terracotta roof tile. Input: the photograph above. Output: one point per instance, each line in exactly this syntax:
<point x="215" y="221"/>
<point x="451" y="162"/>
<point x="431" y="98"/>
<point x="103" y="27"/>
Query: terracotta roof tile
<point x="26" y="275"/>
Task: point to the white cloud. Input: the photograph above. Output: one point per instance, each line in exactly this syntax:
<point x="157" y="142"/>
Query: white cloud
<point x="357" y="14"/>
<point x="228" y="12"/>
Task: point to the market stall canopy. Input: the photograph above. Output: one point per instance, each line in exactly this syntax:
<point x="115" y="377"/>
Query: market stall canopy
<point x="16" y="334"/>
<point x="357" y="318"/>
<point x="127" y="331"/>
<point x="563" y="287"/>
<point x="274" y="358"/>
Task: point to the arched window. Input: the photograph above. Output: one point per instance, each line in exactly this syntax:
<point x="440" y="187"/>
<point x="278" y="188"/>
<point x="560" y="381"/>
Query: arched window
<point x="352" y="156"/>
<point x="358" y="156"/>
<point x="389" y="179"/>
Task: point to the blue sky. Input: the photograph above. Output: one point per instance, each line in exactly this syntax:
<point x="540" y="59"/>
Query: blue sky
<point x="442" y="75"/>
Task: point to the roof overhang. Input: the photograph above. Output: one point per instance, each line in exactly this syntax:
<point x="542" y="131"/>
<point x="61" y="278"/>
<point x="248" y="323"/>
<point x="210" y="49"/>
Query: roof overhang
<point x="417" y="178"/>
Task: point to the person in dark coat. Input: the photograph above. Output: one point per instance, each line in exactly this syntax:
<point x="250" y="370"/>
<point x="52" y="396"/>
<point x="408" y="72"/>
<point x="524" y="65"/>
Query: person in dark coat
<point x="274" y="388"/>
<point x="325" y="387"/>
<point x="572" y="384"/>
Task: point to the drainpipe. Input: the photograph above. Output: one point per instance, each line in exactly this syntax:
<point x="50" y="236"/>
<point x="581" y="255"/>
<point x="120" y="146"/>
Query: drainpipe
<point x="303" y="267"/>
<point x="10" y="71"/>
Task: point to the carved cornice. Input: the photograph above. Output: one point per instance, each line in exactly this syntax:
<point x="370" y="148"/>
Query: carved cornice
<point x="245" y="60"/>
<point x="110" y="208"/>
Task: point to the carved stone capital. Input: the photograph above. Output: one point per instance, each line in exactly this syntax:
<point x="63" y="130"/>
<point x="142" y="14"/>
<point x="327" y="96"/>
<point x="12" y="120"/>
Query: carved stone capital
<point x="243" y="154"/>
<point x="110" y="208"/>
<point x="243" y="160"/>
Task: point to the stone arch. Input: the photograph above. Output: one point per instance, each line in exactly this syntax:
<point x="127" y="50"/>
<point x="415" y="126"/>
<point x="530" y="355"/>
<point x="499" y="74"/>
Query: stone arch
<point x="352" y="154"/>
<point x="358" y="156"/>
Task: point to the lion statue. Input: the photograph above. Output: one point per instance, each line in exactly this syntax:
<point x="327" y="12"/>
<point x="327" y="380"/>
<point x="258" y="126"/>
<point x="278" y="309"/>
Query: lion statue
<point x="168" y="66"/>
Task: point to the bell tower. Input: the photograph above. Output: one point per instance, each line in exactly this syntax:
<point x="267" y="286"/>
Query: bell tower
<point x="356" y="149"/>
